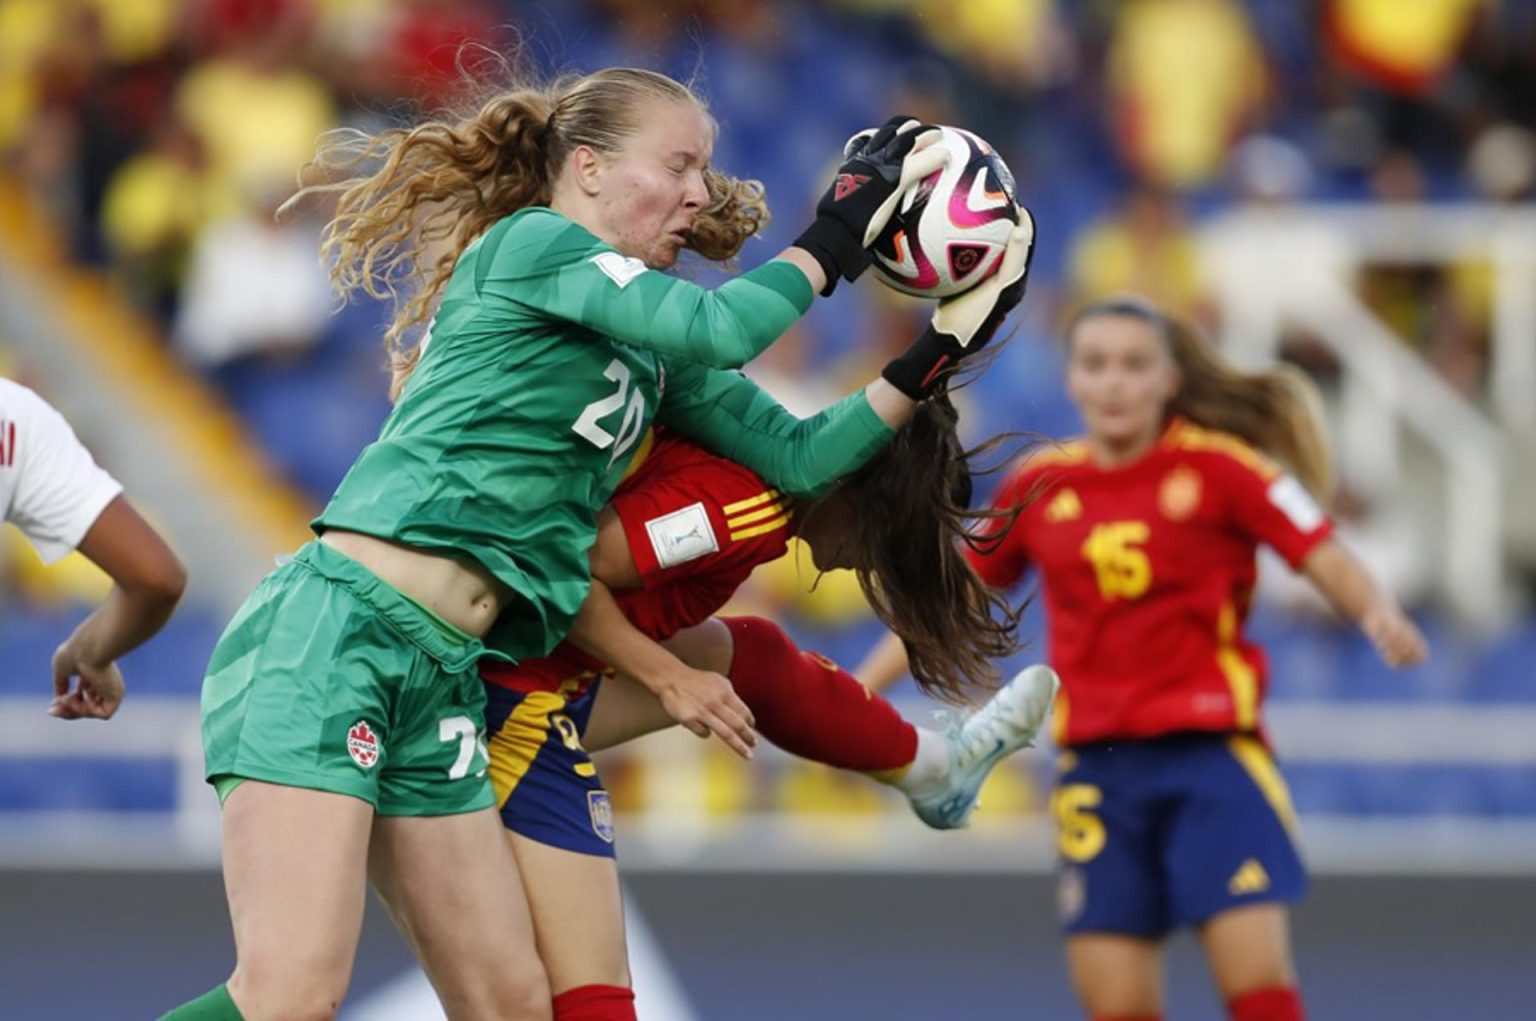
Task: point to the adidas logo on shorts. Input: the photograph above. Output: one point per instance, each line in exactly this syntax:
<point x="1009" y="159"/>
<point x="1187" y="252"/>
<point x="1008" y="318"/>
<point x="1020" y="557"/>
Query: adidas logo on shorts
<point x="1250" y="877"/>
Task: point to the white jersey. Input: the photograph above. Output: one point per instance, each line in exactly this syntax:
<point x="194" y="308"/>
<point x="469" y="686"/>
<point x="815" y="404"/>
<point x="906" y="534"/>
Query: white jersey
<point x="50" y="486"/>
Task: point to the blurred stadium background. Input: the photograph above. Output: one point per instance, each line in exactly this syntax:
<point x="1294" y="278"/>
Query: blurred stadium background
<point x="1343" y="183"/>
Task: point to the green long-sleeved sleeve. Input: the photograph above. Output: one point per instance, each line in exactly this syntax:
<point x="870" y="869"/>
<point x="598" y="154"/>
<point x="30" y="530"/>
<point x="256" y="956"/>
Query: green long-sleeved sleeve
<point x="539" y="260"/>
<point x="731" y="415"/>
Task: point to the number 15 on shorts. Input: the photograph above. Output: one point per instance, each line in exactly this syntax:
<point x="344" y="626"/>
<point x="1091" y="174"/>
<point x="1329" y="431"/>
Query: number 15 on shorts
<point x="470" y="740"/>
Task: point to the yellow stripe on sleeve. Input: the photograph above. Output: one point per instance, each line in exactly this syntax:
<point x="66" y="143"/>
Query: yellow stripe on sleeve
<point x="766" y="526"/>
<point x="750" y="502"/>
<point x="777" y="507"/>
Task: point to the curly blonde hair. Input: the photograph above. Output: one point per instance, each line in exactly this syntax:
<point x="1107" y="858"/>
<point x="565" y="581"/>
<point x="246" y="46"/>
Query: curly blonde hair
<point x="412" y="199"/>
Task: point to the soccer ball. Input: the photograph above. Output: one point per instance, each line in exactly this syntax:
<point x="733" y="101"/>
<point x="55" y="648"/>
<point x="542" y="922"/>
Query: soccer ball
<point x="950" y="229"/>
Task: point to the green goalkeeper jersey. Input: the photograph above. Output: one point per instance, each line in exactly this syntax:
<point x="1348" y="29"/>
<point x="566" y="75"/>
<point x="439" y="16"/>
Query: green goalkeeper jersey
<point x="548" y="359"/>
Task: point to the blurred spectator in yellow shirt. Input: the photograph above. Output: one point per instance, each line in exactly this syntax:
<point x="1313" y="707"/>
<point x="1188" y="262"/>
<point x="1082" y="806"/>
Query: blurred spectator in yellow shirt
<point x="1015" y="43"/>
<point x="1146" y="247"/>
<point x="254" y="108"/>
<point x="1401" y="46"/>
<point x="155" y="206"/>
<point x="1184" y="77"/>
<point x="130" y="31"/>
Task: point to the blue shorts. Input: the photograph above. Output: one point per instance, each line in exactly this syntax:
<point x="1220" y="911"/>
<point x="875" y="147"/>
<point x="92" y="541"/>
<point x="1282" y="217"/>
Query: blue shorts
<point x="546" y="784"/>
<point x="1155" y="835"/>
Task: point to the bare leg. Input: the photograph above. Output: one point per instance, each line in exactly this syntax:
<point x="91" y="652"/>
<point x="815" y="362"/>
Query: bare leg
<point x="578" y="913"/>
<point x="455" y="892"/>
<point x="1249" y="948"/>
<point x="1116" y="976"/>
<point x="294" y="873"/>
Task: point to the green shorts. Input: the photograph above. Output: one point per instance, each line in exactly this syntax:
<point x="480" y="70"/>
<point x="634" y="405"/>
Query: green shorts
<point x="328" y="678"/>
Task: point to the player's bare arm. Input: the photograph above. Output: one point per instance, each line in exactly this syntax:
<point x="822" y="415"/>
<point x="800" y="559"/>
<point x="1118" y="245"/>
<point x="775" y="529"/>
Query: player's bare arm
<point x="700" y="700"/>
<point x="148" y="580"/>
<point x="1345" y="582"/>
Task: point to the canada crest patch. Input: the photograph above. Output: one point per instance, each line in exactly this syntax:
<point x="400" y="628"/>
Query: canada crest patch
<point x="363" y="744"/>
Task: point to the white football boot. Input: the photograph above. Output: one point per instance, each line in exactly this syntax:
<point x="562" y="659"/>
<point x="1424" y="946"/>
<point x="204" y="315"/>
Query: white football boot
<point x="977" y="741"/>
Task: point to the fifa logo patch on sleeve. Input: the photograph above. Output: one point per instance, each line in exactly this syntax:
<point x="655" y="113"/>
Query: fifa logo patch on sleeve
<point x="363" y="745"/>
<point x="1293" y="500"/>
<point x="601" y="809"/>
<point x="618" y="268"/>
<point x="682" y="536"/>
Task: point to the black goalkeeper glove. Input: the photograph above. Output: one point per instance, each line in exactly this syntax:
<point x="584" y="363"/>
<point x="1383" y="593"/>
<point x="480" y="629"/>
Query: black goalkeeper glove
<point x="877" y="168"/>
<point x="966" y="323"/>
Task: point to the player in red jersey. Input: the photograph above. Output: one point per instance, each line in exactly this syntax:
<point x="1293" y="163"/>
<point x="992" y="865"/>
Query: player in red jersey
<point x="682" y="532"/>
<point x="1170" y="811"/>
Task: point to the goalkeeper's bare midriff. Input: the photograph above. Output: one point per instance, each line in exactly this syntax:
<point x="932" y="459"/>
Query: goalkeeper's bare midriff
<point x="461" y="592"/>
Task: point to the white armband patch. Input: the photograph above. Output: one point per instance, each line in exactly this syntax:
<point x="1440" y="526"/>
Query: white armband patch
<point x="618" y="268"/>
<point x="682" y="536"/>
<point x="1293" y="500"/>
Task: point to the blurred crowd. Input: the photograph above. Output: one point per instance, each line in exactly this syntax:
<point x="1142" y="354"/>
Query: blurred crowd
<point x="161" y="136"/>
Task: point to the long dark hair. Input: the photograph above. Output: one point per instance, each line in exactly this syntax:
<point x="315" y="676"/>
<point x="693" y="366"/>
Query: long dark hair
<point x="913" y="514"/>
<point x="1277" y="410"/>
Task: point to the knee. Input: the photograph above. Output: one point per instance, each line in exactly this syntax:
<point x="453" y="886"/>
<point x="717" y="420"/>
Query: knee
<point x="756" y="637"/>
<point x="292" y="994"/>
<point x="508" y="993"/>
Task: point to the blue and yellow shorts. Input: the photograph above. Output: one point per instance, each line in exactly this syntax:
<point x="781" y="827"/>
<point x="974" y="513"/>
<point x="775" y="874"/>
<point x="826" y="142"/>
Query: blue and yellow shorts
<point x="1158" y="834"/>
<point x="546" y="784"/>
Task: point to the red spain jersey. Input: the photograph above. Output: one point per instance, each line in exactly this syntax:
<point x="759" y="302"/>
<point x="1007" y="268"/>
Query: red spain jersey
<point x="1148" y="570"/>
<point x="697" y="525"/>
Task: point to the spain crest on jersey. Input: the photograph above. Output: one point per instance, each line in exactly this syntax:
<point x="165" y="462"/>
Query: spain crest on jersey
<point x="601" y="809"/>
<point x="1179" y="495"/>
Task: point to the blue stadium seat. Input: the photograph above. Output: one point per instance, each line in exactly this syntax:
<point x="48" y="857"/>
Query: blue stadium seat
<point x="313" y="415"/>
<point x="1507" y="672"/>
<point x="1397" y="789"/>
<point x="76" y="784"/>
<point x="170" y="664"/>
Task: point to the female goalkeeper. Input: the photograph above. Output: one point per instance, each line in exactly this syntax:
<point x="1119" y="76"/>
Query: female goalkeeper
<point x="342" y="714"/>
